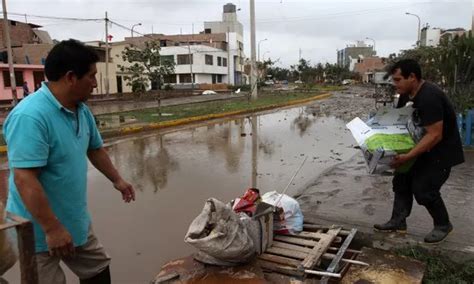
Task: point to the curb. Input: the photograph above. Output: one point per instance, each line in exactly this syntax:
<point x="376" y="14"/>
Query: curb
<point x="183" y="121"/>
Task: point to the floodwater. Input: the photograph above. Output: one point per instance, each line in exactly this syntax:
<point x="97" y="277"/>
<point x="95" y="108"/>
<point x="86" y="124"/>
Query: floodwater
<point x="175" y="172"/>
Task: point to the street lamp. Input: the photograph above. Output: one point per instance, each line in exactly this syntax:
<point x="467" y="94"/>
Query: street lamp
<point x="373" y="41"/>
<point x="418" y="43"/>
<point x="139" y="24"/>
<point x="263" y="56"/>
<point x="258" y="48"/>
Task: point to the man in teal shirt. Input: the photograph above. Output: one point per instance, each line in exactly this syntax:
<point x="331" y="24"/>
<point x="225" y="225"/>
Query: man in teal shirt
<point x="49" y="136"/>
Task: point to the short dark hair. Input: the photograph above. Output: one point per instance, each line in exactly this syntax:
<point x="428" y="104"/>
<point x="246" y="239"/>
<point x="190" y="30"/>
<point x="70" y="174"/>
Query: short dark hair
<point x="406" y="66"/>
<point x="69" y="55"/>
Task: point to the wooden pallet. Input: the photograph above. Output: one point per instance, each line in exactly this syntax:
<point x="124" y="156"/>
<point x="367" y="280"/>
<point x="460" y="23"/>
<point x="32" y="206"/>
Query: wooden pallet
<point x="303" y="254"/>
<point x="26" y="247"/>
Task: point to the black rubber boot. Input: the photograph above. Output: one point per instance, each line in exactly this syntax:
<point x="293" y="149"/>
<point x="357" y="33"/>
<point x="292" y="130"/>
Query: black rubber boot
<point x="438" y="234"/>
<point x="392" y="226"/>
<point x="402" y="205"/>
<point x="101" y="278"/>
<point x="442" y="226"/>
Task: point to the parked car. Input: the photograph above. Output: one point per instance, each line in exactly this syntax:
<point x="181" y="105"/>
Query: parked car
<point x="209" y="92"/>
<point x="347" y="81"/>
<point x="269" y="82"/>
<point x="298" y="82"/>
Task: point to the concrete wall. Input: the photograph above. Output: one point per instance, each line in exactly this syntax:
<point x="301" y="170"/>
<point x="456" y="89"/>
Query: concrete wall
<point x="20" y="33"/>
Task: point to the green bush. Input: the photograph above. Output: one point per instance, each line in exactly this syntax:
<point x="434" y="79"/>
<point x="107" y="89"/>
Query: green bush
<point x="439" y="268"/>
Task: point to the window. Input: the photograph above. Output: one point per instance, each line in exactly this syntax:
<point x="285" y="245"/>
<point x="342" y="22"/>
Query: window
<point x="185" y="78"/>
<point x="169" y="79"/>
<point x="216" y="78"/>
<point x="209" y="60"/>
<point x="163" y="43"/>
<point x="207" y="31"/>
<point x="18" y="78"/>
<point x="184" y="59"/>
<point x="224" y="62"/>
<point x="166" y="58"/>
<point x="219" y="61"/>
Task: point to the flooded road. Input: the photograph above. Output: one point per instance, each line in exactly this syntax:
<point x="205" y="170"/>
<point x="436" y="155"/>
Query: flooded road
<point x="174" y="173"/>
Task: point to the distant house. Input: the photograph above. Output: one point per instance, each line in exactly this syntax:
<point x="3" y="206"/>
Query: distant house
<point x="32" y="74"/>
<point x="367" y="67"/>
<point x="30" y="45"/>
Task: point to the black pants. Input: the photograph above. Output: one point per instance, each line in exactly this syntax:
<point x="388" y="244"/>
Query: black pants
<point x="423" y="182"/>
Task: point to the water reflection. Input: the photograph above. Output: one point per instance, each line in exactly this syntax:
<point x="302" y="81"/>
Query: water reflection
<point x="149" y="162"/>
<point x="303" y="122"/>
<point x="227" y="142"/>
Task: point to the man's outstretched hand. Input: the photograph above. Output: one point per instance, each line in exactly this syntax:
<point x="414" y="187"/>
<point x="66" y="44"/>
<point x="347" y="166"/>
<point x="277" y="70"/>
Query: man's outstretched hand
<point x="128" y="193"/>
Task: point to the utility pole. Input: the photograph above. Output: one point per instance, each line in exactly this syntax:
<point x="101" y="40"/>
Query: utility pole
<point x="6" y="28"/>
<point x="299" y="61"/>
<point x="228" y="56"/>
<point x="253" y="69"/>
<point x="106" y="55"/>
<point x="190" y="56"/>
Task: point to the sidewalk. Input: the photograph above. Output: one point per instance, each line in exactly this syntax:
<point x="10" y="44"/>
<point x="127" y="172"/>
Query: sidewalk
<point x="105" y="107"/>
<point x="347" y="195"/>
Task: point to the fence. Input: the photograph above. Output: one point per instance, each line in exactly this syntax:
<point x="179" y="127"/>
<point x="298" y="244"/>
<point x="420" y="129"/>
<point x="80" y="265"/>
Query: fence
<point x="465" y="125"/>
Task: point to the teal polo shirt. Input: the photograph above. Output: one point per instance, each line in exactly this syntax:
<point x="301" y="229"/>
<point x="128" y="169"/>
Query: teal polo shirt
<point x="41" y="133"/>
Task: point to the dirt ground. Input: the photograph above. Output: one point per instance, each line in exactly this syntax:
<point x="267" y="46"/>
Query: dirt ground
<point x="345" y="194"/>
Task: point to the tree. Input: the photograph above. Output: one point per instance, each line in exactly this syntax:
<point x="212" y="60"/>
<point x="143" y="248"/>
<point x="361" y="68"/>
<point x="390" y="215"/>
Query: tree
<point x="146" y="66"/>
<point x="450" y="65"/>
<point x="262" y="68"/>
<point x="279" y="73"/>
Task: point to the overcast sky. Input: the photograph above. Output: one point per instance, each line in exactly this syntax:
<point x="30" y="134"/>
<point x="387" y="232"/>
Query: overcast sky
<point x="318" y="27"/>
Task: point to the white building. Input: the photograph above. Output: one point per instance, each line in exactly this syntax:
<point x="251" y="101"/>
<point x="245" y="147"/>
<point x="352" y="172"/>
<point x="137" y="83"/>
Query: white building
<point x="430" y="36"/>
<point x="433" y="36"/>
<point x="208" y="65"/>
<point x="234" y="31"/>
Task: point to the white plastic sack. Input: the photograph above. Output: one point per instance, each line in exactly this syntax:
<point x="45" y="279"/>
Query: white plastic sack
<point x="220" y="236"/>
<point x="7" y="253"/>
<point x="293" y="216"/>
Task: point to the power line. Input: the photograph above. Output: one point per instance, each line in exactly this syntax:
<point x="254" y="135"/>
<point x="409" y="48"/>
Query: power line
<point x="56" y="18"/>
<point x="129" y="29"/>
